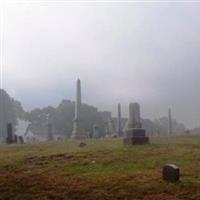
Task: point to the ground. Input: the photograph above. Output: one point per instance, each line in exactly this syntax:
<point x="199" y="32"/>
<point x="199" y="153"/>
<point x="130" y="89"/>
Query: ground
<point x="104" y="169"/>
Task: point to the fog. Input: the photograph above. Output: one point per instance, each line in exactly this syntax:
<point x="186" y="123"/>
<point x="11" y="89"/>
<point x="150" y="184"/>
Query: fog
<point x="122" y="52"/>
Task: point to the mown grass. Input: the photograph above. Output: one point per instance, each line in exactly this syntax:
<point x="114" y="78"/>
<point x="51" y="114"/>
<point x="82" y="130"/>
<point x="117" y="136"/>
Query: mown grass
<point x="103" y="169"/>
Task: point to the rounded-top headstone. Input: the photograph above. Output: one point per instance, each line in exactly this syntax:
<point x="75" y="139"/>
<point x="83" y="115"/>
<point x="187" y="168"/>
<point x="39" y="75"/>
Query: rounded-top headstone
<point x="171" y="173"/>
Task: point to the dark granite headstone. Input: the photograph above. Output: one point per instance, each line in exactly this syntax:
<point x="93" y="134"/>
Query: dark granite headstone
<point x="171" y="173"/>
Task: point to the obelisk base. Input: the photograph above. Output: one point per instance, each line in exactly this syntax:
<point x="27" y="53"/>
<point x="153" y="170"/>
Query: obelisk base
<point x="136" y="136"/>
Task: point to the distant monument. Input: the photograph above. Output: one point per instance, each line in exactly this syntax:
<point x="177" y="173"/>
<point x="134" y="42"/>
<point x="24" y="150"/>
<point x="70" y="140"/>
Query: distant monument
<point x="50" y="132"/>
<point x="77" y="132"/>
<point x="111" y="127"/>
<point x="170" y="122"/>
<point x="119" y="121"/>
<point x="135" y="134"/>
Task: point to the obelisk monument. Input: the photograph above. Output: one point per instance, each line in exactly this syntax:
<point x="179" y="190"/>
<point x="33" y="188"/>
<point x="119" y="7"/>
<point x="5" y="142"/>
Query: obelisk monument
<point x="119" y="121"/>
<point x="170" y="121"/>
<point x="135" y="134"/>
<point x="78" y="133"/>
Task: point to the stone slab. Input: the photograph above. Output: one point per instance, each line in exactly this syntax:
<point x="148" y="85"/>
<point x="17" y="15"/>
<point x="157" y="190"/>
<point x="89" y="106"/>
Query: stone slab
<point x="136" y="140"/>
<point x="171" y="173"/>
<point x="140" y="140"/>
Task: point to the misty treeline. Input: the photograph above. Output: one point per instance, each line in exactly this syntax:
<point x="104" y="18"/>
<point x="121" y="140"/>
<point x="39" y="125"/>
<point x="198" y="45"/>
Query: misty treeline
<point x="61" y="118"/>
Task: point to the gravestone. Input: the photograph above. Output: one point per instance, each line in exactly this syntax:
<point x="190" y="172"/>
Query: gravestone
<point x="171" y="173"/>
<point x="135" y="134"/>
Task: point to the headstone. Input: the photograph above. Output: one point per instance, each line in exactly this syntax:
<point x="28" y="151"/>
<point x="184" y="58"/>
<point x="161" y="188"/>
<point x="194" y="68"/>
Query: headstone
<point x="135" y="134"/>
<point x="77" y="132"/>
<point x="171" y="173"/>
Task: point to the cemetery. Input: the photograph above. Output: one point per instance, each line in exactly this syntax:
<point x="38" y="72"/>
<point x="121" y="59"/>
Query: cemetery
<point x="99" y="100"/>
<point x="126" y="164"/>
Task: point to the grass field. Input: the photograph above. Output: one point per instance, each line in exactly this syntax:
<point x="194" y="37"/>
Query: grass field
<point x="103" y="170"/>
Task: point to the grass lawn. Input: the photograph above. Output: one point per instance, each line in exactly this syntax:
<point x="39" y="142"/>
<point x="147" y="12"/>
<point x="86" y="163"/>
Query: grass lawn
<point x="105" y="169"/>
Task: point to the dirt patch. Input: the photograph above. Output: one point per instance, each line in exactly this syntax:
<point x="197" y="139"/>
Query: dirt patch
<point x="20" y="185"/>
<point x="45" y="160"/>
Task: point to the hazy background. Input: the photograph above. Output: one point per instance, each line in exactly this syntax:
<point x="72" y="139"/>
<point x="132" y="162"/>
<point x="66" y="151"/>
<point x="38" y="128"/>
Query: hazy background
<point x="122" y="52"/>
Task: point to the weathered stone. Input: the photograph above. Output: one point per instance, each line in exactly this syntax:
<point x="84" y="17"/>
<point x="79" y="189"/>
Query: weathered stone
<point x="170" y="121"/>
<point x="78" y="133"/>
<point x="171" y="173"/>
<point x="119" y="121"/>
<point x="134" y="116"/>
<point x="111" y="127"/>
<point x="135" y="134"/>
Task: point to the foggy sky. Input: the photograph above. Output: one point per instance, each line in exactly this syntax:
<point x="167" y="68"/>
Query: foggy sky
<point x="122" y="52"/>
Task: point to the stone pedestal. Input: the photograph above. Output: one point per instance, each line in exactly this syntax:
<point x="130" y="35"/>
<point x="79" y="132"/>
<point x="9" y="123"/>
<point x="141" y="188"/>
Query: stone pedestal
<point x="136" y="136"/>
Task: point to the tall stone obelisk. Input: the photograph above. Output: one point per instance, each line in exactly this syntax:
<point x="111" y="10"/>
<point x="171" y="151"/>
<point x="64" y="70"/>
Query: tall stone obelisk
<point x="135" y="134"/>
<point x="78" y="133"/>
<point x="119" y="121"/>
<point x="170" y="121"/>
<point x="134" y="116"/>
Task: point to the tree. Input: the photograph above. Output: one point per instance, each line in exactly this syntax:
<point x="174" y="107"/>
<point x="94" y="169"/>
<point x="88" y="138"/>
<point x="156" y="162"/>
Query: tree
<point x="7" y="113"/>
